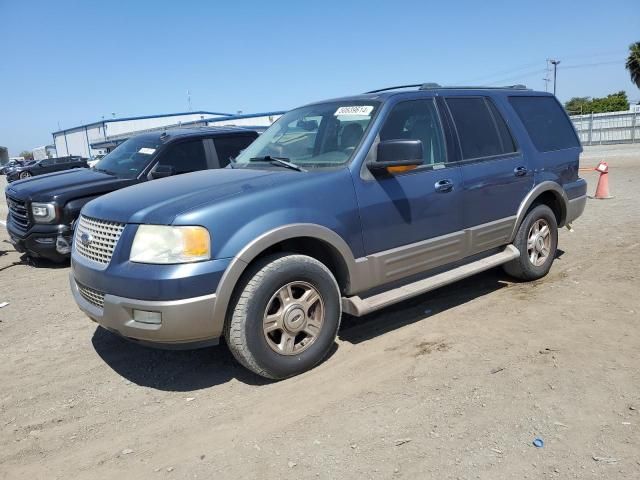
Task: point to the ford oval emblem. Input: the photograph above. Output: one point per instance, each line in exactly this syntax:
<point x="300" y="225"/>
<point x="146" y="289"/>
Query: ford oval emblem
<point x="86" y="239"/>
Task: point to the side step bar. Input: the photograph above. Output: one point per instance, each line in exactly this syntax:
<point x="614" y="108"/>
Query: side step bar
<point x="358" y="307"/>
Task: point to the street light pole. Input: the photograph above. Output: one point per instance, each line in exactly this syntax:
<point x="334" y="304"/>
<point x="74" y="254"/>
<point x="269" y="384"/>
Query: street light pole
<point x="555" y="72"/>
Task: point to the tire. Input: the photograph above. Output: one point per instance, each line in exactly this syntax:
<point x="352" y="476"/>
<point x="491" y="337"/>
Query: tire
<point x="281" y="286"/>
<point x="530" y="266"/>
<point x="24" y="175"/>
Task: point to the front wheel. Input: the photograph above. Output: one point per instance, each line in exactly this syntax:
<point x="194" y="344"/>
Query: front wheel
<point x="24" y="175"/>
<point x="537" y="240"/>
<point x="286" y="316"/>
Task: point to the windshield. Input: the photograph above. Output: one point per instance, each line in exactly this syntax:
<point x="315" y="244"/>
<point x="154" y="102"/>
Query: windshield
<point x="316" y="136"/>
<point x="129" y="158"/>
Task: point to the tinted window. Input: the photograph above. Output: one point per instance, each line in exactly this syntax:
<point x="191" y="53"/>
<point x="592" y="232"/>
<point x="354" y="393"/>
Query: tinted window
<point x="130" y="157"/>
<point x="61" y="160"/>
<point x="230" y="147"/>
<point x="478" y="128"/>
<point x="185" y="157"/>
<point x="416" y="120"/>
<point x="546" y="122"/>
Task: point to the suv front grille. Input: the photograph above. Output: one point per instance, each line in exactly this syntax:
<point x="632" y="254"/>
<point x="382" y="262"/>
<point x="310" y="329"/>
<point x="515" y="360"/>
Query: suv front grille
<point x="94" y="297"/>
<point x="19" y="213"/>
<point x="96" y="239"/>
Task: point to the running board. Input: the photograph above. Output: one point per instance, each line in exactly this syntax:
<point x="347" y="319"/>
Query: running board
<point x="358" y="307"/>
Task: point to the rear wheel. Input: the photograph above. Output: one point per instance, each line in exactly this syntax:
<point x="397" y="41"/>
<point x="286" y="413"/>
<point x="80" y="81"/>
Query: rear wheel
<point x="537" y="240"/>
<point x="286" y="316"/>
<point x="25" y="175"/>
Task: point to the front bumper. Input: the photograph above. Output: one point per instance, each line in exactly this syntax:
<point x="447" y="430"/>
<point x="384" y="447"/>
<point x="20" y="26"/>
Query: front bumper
<point x="52" y="242"/>
<point x="185" y="323"/>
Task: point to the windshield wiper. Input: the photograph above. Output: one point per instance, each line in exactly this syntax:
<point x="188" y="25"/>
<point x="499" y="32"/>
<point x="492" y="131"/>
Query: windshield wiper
<point x="283" y="161"/>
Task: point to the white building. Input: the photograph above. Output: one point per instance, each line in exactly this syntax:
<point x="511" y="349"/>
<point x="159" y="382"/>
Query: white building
<point x="258" y="121"/>
<point x="78" y="140"/>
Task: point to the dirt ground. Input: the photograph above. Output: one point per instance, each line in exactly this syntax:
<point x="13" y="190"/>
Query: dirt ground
<point x="454" y="384"/>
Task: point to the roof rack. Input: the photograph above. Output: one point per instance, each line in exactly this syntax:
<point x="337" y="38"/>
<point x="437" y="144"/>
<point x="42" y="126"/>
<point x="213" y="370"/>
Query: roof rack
<point x="433" y="86"/>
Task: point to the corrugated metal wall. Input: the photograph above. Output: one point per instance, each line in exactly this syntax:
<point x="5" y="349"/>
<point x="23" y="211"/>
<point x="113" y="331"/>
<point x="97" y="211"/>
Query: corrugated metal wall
<point x="127" y="126"/>
<point x="246" y="121"/>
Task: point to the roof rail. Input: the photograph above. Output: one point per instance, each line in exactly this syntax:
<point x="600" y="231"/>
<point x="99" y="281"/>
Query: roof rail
<point x="432" y="86"/>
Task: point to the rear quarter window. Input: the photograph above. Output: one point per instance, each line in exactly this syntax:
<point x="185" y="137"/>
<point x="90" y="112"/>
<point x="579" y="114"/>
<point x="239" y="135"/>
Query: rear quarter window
<point x="546" y="122"/>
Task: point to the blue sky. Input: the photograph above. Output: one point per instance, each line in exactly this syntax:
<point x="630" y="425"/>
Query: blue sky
<point x="70" y="62"/>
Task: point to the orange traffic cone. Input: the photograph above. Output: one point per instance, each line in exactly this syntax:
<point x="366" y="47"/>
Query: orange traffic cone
<point x="602" y="189"/>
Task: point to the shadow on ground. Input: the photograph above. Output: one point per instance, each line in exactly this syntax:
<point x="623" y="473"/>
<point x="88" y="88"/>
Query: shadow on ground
<point x="173" y="370"/>
<point x="360" y="329"/>
<point x="188" y="370"/>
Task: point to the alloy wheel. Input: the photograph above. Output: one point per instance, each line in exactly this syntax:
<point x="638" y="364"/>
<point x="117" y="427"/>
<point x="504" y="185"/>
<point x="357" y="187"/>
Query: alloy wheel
<point x="293" y="318"/>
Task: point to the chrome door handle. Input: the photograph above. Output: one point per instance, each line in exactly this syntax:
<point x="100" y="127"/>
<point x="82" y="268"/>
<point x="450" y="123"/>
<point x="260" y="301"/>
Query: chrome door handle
<point x="444" y="186"/>
<point x="520" y="171"/>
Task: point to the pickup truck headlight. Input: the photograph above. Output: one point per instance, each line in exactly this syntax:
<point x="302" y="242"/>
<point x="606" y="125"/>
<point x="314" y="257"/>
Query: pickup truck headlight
<point x="167" y="244"/>
<point x="43" y="212"/>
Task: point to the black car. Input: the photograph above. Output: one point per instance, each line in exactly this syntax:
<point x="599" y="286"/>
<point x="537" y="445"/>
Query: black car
<point x="10" y="165"/>
<point x="42" y="211"/>
<point x="46" y="165"/>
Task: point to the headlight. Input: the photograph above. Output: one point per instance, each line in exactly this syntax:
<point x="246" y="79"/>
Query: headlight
<point x="166" y="244"/>
<point x="43" y="212"/>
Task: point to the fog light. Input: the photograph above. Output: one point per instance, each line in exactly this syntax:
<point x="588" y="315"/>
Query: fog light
<point x="142" y="316"/>
<point x="45" y="240"/>
<point x="63" y="245"/>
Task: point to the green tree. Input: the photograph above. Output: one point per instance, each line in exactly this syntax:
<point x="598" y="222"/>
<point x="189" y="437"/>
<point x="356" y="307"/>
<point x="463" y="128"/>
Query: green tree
<point x="633" y="63"/>
<point x="27" y="155"/>
<point x="615" y="102"/>
<point x="577" y="105"/>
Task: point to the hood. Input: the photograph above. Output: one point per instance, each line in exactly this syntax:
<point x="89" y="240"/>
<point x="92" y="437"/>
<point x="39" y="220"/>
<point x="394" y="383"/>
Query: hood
<point x="68" y="184"/>
<point x="160" y="201"/>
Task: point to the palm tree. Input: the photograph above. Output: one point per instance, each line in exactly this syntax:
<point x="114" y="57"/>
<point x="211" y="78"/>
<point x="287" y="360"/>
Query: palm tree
<point x="633" y="63"/>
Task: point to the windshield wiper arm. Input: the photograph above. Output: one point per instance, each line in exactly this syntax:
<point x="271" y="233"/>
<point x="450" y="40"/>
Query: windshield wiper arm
<point x="279" y="161"/>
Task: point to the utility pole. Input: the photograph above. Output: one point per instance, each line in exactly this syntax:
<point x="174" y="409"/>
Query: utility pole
<point x="555" y="73"/>
<point x="546" y="81"/>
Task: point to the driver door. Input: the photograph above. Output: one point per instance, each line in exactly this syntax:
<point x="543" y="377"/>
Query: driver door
<point x="412" y="221"/>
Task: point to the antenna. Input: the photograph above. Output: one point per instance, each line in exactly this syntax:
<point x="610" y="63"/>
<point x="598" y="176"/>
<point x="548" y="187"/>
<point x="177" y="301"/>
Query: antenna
<point x="189" y="99"/>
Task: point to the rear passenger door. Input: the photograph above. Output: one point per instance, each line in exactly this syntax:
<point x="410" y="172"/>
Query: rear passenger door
<point x="184" y="157"/>
<point x="60" y="164"/>
<point x="495" y="174"/>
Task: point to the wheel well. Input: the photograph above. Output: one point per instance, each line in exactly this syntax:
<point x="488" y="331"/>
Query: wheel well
<point x="551" y="200"/>
<point x="318" y="249"/>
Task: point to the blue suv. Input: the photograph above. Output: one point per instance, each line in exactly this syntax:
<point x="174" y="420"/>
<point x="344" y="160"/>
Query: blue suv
<point x="343" y="206"/>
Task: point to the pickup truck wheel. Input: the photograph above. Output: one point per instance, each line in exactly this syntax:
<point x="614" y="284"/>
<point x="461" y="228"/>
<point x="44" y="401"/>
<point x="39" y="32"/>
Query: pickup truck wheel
<point x="286" y="316"/>
<point x="537" y="240"/>
<point x="25" y="174"/>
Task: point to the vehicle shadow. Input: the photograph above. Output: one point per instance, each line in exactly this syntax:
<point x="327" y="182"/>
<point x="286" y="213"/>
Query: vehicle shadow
<point x="33" y="262"/>
<point x="360" y="329"/>
<point x="172" y="370"/>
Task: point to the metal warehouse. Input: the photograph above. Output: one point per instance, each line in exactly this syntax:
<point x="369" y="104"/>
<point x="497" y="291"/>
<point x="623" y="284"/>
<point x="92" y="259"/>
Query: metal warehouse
<point x="100" y="137"/>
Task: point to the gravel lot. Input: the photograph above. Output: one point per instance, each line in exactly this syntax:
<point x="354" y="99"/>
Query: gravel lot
<point x="453" y="384"/>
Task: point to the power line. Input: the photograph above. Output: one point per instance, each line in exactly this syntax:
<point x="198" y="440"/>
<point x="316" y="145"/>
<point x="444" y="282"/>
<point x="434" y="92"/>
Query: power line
<point x="597" y="64"/>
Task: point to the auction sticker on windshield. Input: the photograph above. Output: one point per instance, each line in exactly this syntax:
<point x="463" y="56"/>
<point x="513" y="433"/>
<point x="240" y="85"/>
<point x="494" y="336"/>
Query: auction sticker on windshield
<point x="147" y="151"/>
<point x="354" y="110"/>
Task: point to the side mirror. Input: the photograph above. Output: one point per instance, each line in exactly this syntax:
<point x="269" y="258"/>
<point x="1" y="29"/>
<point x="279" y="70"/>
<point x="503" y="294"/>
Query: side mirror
<point x="161" y="171"/>
<point x="397" y="156"/>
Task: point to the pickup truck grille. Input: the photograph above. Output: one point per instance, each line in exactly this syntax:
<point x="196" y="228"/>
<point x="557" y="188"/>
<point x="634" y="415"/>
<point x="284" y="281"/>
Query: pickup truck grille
<point x="94" y="297"/>
<point x="19" y="213"/>
<point x="96" y="239"/>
